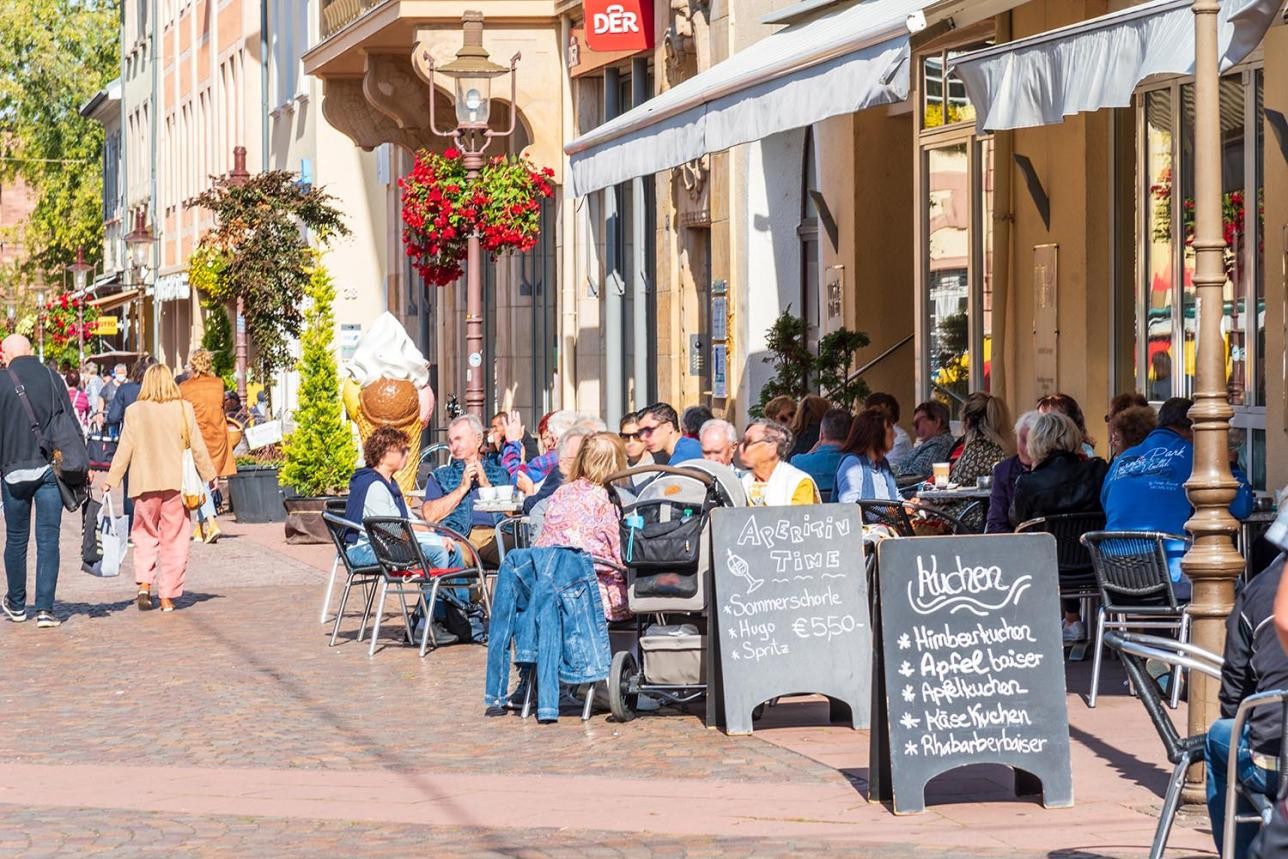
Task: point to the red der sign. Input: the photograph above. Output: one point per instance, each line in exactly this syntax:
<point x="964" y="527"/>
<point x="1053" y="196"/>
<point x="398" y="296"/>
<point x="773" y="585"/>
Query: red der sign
<point x="619" y="25"/>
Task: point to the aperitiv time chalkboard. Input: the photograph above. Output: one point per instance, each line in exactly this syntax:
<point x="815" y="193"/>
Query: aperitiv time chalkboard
<point x="973" y="661"/>
<point x="791" y="608"/>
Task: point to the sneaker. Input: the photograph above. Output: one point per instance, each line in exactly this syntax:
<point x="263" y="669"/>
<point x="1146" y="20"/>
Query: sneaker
<point x="647" y="704"/>
<point x="15" y="615"/>
<point x="46" y="620"/>
<point x="1074" y="631"/>
<point x="443" y="636"/>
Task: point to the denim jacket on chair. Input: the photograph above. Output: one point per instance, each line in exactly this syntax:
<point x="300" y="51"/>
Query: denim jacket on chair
<point x="547" y="604"/>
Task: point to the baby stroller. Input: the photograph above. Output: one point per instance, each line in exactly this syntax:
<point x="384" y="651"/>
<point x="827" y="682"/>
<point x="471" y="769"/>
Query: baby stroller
<point x="666" y="548"/>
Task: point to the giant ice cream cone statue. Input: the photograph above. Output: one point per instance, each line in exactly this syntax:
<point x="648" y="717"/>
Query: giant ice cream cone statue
<point x="387" y="384"/>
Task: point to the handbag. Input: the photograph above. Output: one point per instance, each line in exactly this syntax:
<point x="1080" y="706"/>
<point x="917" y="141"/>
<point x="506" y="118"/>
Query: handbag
<point x="101" y="446"/>
<point x="62" y="444"/>
<point x="193" y="487"/>
<point x="662" y="536"/>
<point x="113" y="540"/>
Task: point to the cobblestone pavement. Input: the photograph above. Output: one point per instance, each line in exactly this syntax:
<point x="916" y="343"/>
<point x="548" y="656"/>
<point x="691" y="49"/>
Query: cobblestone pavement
<point x="230" y="728"/>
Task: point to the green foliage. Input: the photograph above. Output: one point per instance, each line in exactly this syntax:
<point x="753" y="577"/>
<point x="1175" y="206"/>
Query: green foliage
<point x="799" y="371"/>
<point x="834" y="365"/>
<point x="55" y="55"/>
<point x="262" y="256"/>
<point x="320" y="454"/>
<point x="218" y="341"/>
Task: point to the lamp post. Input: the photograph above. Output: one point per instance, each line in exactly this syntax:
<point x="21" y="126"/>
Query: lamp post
<point x="237" y="177"/>
<point x="472" y="73"/>
<point x="40" y="323"/>
<point x="139" y="242"/>
<point x="1212" y="562"/>
<point x="80" y="277"/>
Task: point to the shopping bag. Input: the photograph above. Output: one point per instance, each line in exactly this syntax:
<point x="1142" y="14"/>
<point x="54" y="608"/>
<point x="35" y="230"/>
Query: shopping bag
<point x="102" y="447"/>
<point x="194" y="488"/>
<point x="114" y="537"/>
<point x="91" y="546"/>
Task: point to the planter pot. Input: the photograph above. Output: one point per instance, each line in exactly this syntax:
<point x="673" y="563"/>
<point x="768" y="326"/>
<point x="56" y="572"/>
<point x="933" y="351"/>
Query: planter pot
<point x="255" y="495"/>
<point x="304" y="519"/>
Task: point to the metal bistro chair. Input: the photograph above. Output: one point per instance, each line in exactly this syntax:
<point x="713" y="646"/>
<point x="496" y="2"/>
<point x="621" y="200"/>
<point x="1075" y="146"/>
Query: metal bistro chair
<point x="338" y="528"/>
<point x="1136" y="592"/>
<point x="888" y="513"/>
<point x="334" y="506"/>
<point x="512" y="533"/>
<point x="1077" y="576"/>
<point x="404" y="570"/>
<point x="1182" y="751"/>
<point x="1262" y="805"/>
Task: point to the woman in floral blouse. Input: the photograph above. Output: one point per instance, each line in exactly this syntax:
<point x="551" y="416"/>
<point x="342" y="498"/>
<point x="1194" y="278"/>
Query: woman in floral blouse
<point x="582" y="516"/>
<point x="988" y="438"/>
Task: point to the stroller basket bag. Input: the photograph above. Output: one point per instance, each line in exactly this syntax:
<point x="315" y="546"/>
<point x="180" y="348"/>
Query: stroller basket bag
<point x="652" y="541"/>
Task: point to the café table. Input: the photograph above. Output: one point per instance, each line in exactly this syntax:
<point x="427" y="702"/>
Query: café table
<point x="960" y="493"/>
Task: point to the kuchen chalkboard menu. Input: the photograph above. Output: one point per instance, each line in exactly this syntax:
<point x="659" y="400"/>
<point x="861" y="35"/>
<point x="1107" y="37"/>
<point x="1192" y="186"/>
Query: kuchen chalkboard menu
<point x="790" y="608"/>
<point x="973" y="668"/>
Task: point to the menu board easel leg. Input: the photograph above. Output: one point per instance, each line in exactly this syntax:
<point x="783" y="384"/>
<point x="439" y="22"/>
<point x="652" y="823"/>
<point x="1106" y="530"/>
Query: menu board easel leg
<point x="879" y="785"/>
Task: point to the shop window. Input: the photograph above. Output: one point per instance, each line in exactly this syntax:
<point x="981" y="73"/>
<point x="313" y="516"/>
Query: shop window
<point x="1166" y="171"/>
<point x="944" y="100"/>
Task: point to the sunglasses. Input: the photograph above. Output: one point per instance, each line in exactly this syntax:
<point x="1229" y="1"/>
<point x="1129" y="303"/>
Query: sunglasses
<point x="748" y="442"/>
<point x="630" y="436"/>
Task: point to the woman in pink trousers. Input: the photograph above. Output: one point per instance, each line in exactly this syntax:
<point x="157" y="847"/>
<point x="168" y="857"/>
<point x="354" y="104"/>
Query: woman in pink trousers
<point x="157" y="429"/>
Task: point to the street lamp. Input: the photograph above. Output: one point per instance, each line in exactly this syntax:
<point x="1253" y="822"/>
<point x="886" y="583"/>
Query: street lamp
<point x="80" y="277"/>
<point x="139" y="241"/>
<point x="238" y="177"/>
<point x="472" y="74"/>
<point x="1212" y="562"/>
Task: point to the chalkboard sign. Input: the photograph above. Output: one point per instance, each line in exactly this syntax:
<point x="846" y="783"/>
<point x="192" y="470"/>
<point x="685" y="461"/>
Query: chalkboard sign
<point x="791" y="608"/>
<point x="973" y="668"/>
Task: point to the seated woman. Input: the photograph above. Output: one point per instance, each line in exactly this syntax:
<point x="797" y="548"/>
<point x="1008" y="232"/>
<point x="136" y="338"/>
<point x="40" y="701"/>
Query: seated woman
<point x="987" y="440"/>
<point x="373" y="492"/>
<point x="582" y="516"/>
<point x="864" y="474"/>
<point x="1005" y="475"/>
<point x="1062" y="481"/>
<point x="1068" y="406"/>
<point x="1129" y="427"/>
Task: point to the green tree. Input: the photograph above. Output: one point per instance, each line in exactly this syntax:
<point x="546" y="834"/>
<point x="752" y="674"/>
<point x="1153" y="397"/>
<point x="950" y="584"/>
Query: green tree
<point x="320" y="452"/>
<point x="799" y="371"/>
<point x="218" y="341"/>
<point x="834" y="365"/>
<point x="54" y="55"/>
<point x="262" y="255"/>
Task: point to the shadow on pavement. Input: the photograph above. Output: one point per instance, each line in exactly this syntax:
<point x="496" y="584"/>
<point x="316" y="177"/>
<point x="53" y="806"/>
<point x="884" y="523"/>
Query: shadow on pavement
<point x="107" y="609"/>
<point x="1144" y="773"/>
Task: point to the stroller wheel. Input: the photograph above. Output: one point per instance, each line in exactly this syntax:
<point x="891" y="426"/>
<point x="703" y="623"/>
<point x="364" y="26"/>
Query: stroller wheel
<point x="623" y="688"/>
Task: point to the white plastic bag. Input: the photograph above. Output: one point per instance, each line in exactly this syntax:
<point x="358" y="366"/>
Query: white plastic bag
<point x="192" y="487"/>
<point x="114" y="535"/>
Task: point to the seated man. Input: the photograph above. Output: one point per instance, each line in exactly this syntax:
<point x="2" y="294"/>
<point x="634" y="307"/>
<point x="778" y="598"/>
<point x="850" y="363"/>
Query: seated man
<point x="1254" y="662"/>
<point x="452" y="490"/>
<point x="1145" y="487"/>
<point x="659" y="428"/>
<point x="719" y="441"/>
<point x="822" y="462"/>
<point x="769" y="481"/>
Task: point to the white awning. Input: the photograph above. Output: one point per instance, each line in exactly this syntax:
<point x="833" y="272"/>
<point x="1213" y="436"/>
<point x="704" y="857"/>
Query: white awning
<point x="1098" y="63"/>
<point x="841" y="62"/>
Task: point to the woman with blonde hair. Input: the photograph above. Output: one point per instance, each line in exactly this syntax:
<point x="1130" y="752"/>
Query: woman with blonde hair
<point x="205" y="391"/>
<point x="987" y="441"/>
<point x="158" y="427"/>
<point x="781" y="410"/>
<point x="582" y="516"/>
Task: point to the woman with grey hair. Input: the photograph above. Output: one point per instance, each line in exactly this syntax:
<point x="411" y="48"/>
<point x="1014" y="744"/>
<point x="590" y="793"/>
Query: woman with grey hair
<point x="1006" y="473"/>
<point x="1062" y="481"/>
<point x="770" y="480"/>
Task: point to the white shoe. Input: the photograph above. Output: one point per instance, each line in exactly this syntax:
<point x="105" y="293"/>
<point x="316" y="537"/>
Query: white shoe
<point x="1074" y="631"/>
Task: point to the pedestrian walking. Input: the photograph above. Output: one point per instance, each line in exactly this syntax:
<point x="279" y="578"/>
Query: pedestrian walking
<point x="28" y="480"/>
<point x="205" y="391"/>
<point x="79" y="399"/>
<point x="158" y="427"/>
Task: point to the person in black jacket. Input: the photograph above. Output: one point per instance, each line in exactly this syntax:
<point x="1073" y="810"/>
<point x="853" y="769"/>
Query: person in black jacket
<point x="28" y="480"/>
<point x="1062" y="481"/>
<point x="1254" y="662"/>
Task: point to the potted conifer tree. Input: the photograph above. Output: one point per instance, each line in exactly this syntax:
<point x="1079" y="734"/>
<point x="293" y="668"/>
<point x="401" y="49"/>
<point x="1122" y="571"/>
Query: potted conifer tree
<point x="320" y="453"/>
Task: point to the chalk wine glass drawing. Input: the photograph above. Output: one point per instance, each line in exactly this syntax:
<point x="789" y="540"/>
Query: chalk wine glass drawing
<point x="740" y="568"/>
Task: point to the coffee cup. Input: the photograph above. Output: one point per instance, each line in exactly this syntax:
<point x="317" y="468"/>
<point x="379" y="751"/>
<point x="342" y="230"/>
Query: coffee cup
<point x="940" y="470"/>
<point x="487" y="493"/>
<point x="505" y="493"/>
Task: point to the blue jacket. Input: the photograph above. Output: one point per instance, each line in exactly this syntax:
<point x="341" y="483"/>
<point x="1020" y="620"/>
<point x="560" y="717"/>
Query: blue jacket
<point x="857" y="478"/>
<point x="686" y="449"/>
<point x="547" y="602"/>
<point x="821" y="464"/>
<point x="1145" y="491"/>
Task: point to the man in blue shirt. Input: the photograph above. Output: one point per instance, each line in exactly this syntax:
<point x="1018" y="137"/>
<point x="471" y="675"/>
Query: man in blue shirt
<point x="659" y="428"/>
<point x="452" y="491"/>
<point x="822" y="462"/>
<point x="1145" y="487"/>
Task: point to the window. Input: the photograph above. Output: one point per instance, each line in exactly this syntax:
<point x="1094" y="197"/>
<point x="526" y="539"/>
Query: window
<point x="943" y="97"/>
<point x="1166" y="185"/>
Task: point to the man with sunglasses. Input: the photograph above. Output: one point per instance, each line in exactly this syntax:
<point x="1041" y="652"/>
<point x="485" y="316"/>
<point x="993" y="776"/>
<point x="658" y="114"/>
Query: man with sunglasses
<point x="769" y="480"/>
<point x="659" y="429"/>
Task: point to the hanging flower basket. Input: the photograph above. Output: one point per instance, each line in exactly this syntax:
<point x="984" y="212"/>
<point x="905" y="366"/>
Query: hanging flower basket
<point x="442" y="208"/>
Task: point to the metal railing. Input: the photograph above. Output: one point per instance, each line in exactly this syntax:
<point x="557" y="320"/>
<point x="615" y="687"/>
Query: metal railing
<point x="338" y="14"/>
<point x="877" y="360"/>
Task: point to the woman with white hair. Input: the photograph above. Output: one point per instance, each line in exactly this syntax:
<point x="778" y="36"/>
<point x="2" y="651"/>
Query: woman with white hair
<point x="1006" y="473"/>
<point x="1062" y="481"/>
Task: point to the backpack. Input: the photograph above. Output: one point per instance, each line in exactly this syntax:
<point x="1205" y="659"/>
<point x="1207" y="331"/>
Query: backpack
<point x="61" y="440"/>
